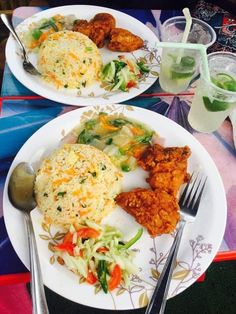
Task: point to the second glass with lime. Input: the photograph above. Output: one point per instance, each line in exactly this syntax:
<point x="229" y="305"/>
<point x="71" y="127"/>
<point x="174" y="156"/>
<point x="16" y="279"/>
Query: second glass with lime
<point x="215" y="99"/>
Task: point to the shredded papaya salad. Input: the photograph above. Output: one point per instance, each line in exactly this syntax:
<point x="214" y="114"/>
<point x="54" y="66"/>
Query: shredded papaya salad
<point x="98" y="254"/>
<point x="123" y="74"/>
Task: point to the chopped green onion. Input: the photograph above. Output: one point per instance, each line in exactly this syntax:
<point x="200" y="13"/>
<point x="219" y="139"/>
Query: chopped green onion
<point x="102" y="275"/>
<point x="125" y="168"/>
<point x="133" y="240"/>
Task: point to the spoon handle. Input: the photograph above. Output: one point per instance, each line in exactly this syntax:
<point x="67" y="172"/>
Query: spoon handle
<point x="37" y="289"/>
<point x="13" y="32"/>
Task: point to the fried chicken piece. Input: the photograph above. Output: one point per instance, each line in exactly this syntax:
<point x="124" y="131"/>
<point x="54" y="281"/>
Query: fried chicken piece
<point x="97" y="35"/>
<point x="124" y="41"/>
<point x="104" y="21"/>
<point x="82" y="26"/>
<point x="97" y="29"/>
<point x="156" y="210"/>
<point x="167" y="166"/>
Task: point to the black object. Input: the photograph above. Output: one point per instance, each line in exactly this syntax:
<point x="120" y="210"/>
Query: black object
<point x="131" y="4"/>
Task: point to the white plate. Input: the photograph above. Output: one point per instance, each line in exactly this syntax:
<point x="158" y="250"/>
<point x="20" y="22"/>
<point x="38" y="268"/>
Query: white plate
<point x="99" y="96"/>
<point x="200" y="243"/>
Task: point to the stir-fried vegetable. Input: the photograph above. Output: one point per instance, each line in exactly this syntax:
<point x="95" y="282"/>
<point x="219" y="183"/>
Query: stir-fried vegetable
<point x="123" y="73"/>
<point x="38" y="32"/>
<point x="98" y="254"/>
<point x="123" y="140"/>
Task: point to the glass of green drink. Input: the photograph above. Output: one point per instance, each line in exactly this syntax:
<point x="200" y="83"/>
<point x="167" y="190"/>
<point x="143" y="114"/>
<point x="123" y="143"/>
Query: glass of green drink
<point x="215" y="99"/>
<point x="179" y="66"/>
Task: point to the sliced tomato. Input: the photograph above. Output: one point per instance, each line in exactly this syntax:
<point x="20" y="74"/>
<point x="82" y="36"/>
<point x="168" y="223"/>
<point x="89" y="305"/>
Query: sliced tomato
<point x="66" y="247"/>
<point x="115" y="278"/>
<point x="68" y="238"/>
<point x="91" y="279"/>
<point x="130" y="84"/>
<point x="86" y="233"/>
<point x="102" y="249"/>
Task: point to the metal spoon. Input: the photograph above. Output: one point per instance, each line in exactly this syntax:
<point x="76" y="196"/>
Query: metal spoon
<point x="27" y="65"/>
<point x="21" y="195"/>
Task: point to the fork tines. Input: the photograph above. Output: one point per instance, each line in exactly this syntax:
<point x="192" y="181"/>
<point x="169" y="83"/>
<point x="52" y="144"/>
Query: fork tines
<point x="192" y="193"/>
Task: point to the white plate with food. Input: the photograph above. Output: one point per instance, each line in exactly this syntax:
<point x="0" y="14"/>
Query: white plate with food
<point x="86" y="55"/>
<point x="114" y="255"/>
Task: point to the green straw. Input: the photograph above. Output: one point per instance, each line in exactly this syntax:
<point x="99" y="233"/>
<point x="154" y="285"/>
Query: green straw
<point x="186" y="31"/>
<point x="201" y="48"/>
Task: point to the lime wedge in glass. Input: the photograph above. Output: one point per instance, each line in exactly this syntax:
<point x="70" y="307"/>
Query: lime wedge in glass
<point x="184" y="69"/>
<point x="224" y="81"/>
<point x="188" y="62"/>
<point x="215" y="105"/>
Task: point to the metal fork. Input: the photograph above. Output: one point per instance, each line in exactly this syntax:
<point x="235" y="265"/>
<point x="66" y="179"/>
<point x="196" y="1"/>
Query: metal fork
<point x="27" y="65"/>
<point x="189" y="203"/>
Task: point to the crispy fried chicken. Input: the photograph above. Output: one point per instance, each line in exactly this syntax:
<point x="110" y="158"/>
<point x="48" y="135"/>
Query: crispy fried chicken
<point x="167" y="166"/>
<point x="124" y="41"/>
<point x="97" y="29"/>
<point x="105" y="21"/>
<point x="156" y="210"/>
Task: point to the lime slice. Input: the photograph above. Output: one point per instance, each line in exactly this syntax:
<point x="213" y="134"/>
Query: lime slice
<point x="230" y="86"/>
<point x="215" y="105"/>
<point x="184" y="69"/>
<point x="188" y="62"/>
<point x="223" y="77"/>
<point x="224" y="81"/>
<point x="181" y="75"/>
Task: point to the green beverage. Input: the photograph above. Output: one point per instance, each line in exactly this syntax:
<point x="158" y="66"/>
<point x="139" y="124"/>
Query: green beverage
<point x="180" y="65"/>
<point x="176" y="71"/>
<point x="213" y="101"/>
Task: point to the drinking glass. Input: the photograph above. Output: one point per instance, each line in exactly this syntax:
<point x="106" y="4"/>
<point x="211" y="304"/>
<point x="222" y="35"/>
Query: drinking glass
<point x="179" y="66"/>
<point x="214" y="99"/>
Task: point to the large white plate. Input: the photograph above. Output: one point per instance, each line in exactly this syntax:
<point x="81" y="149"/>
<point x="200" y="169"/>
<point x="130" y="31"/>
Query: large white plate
<point x="200" y="243"/>
<point x="99" y="95"/>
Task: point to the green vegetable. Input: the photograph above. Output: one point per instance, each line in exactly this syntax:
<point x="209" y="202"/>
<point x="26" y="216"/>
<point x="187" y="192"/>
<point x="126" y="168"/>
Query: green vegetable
<point x="142" y="67"/>
<point x="83" y="180"/>
<point x="85" y="137"/>
<point x="89" y="49"/>
<point x="90" y="124"/>
<point x="61" y="194"/>
<point x="36" y="34"/>
<point x="122" y="151"/>
<point x="145" y="139"/>
<point x="109" y="141"/>
<point x="133" y="240"/>
<point x="119" y="73"/>
<point x="102" y="275"/>
<point x="125" y="168"/>
<point x="49" y="23"/>
<point x="118" y="122"/>
<point x="59" y="208"/>
<point x="119" y="65"/>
